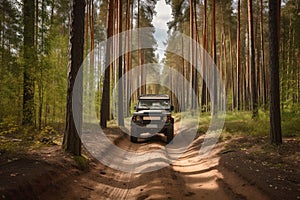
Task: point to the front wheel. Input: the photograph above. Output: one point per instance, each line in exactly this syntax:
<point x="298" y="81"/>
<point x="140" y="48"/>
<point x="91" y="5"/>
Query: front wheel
<point x="170" y="134"/>
<point x="132" y="137"/>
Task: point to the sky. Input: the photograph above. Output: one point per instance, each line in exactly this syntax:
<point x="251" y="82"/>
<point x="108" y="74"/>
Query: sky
<point x="163" y="16"/>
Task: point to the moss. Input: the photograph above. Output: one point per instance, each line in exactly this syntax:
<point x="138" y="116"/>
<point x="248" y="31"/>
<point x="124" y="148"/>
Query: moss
<point x="82" y="162"/>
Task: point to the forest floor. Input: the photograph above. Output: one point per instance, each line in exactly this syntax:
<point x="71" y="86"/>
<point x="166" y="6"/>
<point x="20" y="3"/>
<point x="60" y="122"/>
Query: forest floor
<point x="240" y="167"/>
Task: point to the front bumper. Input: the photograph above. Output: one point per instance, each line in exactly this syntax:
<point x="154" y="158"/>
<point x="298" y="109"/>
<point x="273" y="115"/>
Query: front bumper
<point x="138" y="128"/>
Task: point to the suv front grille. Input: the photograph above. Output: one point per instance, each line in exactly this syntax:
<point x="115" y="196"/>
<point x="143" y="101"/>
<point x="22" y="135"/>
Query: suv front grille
<point x="152" y="118"/>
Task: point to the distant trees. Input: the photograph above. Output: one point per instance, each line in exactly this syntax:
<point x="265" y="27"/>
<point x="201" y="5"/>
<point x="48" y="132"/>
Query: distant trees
<point x="140" y="12"/>
<point x="34" y="52"/>
<point x="289" y="55"/>
<point x="33" y="56"/>
<point x="240" y="33"/>
<point x="11" y="69"/>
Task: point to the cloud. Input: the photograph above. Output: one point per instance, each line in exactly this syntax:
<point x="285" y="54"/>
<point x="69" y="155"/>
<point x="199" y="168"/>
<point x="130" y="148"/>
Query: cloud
<point x="163" y="16"/>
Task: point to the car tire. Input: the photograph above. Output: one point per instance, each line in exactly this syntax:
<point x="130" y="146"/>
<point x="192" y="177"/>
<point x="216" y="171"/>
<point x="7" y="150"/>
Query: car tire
<point x="170" y="134"/>
<point x="132" y="137"/>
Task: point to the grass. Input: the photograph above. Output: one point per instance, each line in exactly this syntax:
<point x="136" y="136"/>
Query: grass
<point x="241" y="123"/>
<point x="14" y="138"/>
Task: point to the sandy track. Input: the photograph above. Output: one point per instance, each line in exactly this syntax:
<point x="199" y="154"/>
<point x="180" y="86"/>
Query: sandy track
<point x="186" y="178"/>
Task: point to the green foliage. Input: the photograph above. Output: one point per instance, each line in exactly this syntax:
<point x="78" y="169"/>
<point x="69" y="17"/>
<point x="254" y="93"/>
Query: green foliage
<point x="50" y="71"/>
<point x="10" y="48"/>
<point x="8" y="126"/>
<point x="50" y="68"/>
<point x="48" y="135"/>
<point x="16" y="139"/>
<point x="242" y="123"/>
<point x="289" y="59"/>
<point x="290" y="124"/>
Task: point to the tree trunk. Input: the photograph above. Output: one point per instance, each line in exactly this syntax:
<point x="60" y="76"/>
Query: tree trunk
<point x="192" y="52"/>
<point x="214" y="51"/>
<point x="195" y="76"/>
<point x="40" y="81"/>
<point x="105" y="103"/>
<point x="183" y="103"/>
<point x="204" y="72"/>
<point x="92" y="56"/>
<point x="263" y="74"/>
<point x="29" y="60"/>
<point x="71" y="141"/>
<point x="252" y="62"/>
<point x="126" y="59"/>
<point x="140" y="75"/>
<point x="238" y="58"/>
<point x="298" y="76"/>
<point x="87" y="18"/>
<point x="128" y="55"/>
<point x="120" y="86"/>
<point x="233" y="102"/>
<point x="275" y="118"/>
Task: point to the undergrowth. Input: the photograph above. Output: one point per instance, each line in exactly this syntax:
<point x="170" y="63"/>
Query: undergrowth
<point x="241" y="123"/>
<point x="15" y="138"/>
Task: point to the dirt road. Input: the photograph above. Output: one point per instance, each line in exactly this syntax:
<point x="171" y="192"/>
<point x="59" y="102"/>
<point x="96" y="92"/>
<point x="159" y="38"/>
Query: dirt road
<point x="187" y="178"/>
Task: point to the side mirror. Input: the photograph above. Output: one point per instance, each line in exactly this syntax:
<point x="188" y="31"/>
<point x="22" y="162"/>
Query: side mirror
<point x="172" y="108"/>
<point x="135" y="107"/>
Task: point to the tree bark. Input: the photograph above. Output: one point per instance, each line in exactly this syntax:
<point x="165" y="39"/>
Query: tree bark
<point x="71" y="141"/>
<point x="204" y="72"/>
<point x="29" y="60"/>
<point x="233" y="93"/>
<point x="214" y="51"/>
<point x="120" y="86"/>
<point x="105" y="103"/>
<point x="192" y="52"/>
<point x="238" y="58"/>
<point x="254" y="104"/>
<point x="183" y="102"/>
<point x="275" y="117"/>
<point x="263" y="74"/>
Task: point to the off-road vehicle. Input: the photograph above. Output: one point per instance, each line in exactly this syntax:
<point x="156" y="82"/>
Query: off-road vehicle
<point x="152" y="116"/>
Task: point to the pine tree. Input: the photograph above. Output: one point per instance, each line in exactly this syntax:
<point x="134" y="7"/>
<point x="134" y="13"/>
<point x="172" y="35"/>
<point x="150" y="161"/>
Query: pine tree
<point x="29" y="60"/>
<point x="71" y="140"/>
<point x="275" y="117"/>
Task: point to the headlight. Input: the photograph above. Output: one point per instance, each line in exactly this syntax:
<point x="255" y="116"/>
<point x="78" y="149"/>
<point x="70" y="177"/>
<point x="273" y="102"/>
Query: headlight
<point x="136" y="118"/>
<point x="164" y="118"/>
<point x="139" y="118"/>
<point x="169" y="118"/>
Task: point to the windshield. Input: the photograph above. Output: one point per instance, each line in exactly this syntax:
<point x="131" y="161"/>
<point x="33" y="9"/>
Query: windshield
<point x="154" y="104"/>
